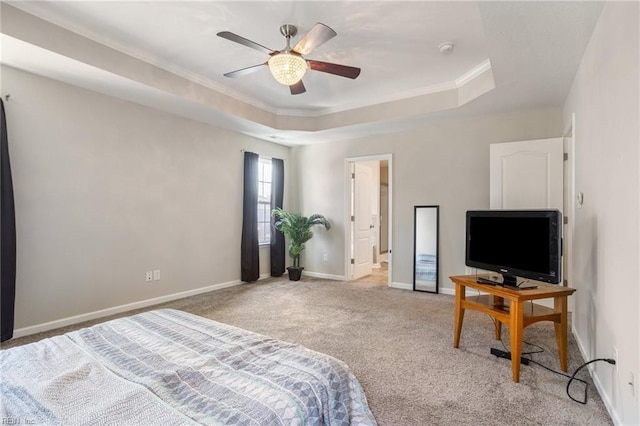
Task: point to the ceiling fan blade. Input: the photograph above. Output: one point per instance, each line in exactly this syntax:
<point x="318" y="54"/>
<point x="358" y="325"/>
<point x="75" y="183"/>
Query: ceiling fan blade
<point x="244" y="71"/>
<point x="297" y="88"/>
<point x="319" y="34"/>
<point x="341" y="70"/>
<point x="238" y="39"/>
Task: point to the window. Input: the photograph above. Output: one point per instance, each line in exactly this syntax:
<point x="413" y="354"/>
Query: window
<point x="264" y="200"/>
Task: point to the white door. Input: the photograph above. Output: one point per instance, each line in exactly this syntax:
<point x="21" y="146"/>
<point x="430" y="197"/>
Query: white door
<point x="362" y="247"/>
<point x="527" y="174"/>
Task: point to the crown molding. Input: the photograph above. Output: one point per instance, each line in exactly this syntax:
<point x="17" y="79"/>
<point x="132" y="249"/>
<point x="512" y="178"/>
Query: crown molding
<point x="85" y="62"/>
<point x="142" y="56"/>
<point x="408" y="94"/>
<point x="249" y="100"/>
<point x="473" y="73"/>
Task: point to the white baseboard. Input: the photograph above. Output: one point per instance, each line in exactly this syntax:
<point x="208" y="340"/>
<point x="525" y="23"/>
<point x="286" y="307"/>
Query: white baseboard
<point x="63" y="322"/>
<point x="447" y="290"/>
<point x="441" y="290"/>
<point x="401" y="286"/>
<point x="324" y="276"/>
<point x="596" y="380"/>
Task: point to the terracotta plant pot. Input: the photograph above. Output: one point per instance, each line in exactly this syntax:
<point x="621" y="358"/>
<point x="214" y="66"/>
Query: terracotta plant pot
<point x="294" y="273"/>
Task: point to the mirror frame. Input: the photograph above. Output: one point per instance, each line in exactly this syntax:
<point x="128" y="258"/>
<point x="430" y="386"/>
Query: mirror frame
<point x="435" y="232"/>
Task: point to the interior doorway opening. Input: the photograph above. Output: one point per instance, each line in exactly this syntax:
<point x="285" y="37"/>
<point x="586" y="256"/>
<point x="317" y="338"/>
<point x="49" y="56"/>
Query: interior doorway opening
<point x="369" y="215"/>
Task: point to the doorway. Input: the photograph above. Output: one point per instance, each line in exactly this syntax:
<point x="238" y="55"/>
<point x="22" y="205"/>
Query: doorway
<point x="368" y="213"/>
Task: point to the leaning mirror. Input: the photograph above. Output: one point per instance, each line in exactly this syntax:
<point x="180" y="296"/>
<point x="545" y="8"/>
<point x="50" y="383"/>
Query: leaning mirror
<point x="425" y="248"/>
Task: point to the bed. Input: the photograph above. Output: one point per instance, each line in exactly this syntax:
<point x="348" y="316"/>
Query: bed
<point x="169" y="367"/>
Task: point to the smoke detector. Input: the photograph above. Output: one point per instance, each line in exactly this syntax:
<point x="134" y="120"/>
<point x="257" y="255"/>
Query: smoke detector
<point x="446" y="48"/>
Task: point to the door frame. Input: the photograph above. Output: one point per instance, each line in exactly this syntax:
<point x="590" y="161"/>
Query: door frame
<point x="570" y="207"/>
<point x="347" y="211"/>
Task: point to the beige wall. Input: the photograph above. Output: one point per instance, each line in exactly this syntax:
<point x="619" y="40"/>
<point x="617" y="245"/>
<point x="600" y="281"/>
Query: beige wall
<point x="605" y="98"/>
<point x="444" y="163"/>
<point x="106" y="189"/>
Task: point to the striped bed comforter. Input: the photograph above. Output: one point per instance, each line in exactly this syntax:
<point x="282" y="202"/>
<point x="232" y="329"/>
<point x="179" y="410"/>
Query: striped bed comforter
<point x="169" y="367"/>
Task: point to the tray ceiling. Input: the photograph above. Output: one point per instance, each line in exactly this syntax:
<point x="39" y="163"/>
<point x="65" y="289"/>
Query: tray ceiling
<point x="506" y="55"/>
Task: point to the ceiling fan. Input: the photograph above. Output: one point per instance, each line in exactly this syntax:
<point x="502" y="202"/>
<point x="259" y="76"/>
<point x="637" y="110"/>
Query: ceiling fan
<point x="288" y="65"/>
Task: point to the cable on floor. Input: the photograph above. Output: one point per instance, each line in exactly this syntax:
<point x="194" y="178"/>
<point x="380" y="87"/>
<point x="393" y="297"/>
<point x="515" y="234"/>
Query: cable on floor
<point x="572" y="377"/>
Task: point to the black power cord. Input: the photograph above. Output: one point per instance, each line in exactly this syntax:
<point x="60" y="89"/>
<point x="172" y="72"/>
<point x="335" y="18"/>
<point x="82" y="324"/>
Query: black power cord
<point x="584" y="401"/>
<point x="572" y="377"/>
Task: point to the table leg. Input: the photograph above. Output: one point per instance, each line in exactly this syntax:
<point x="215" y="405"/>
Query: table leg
<point x="498" y="301"/>
<point x="459" y="314"/>
<point x="515" y="328"/>
<point x="560" y="306"/>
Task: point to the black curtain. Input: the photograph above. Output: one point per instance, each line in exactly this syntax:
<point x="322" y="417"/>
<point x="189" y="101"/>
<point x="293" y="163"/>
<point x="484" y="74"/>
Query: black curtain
<point x="277" y="238"/>
<point x="8" y="237"/>
<point x="249" y="262"/>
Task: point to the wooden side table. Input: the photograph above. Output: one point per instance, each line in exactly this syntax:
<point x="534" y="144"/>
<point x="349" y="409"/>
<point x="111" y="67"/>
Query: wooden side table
<point x="507" y="305"/>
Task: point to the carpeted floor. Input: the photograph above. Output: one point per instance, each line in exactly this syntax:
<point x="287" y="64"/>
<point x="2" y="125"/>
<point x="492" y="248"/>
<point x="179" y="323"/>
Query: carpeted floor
<point x="399" y="345"/>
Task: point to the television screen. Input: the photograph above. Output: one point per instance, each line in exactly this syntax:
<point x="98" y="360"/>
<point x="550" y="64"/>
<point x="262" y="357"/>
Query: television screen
<point x="516" y="243"/>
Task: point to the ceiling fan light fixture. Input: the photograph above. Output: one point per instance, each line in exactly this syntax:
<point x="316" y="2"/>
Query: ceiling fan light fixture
<point x="289" y="65"/>
<point x="287" y="68"/>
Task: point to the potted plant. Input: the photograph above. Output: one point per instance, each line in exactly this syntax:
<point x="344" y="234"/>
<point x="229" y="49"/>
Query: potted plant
<point x="297" y="229"/>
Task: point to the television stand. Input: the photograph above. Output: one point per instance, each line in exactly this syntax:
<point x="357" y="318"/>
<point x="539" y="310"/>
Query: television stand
<point x="507" y="306"/>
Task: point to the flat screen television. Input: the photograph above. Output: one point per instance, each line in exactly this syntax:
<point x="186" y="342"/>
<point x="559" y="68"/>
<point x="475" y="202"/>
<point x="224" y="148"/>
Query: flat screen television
<point x="516" y="243"/>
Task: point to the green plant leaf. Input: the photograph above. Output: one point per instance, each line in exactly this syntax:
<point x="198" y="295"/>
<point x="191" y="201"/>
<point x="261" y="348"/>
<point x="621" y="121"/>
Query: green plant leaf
<point x="297" y="229"/>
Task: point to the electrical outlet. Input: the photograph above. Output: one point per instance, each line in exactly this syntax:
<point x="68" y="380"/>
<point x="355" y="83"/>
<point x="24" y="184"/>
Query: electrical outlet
<point x="156" y="275"/>
<point x="149" y="276"/>
<point x="325" y="257"/>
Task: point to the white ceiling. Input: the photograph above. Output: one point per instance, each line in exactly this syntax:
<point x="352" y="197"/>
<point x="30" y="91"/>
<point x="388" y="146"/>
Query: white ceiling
<point x="507" y="55"/>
